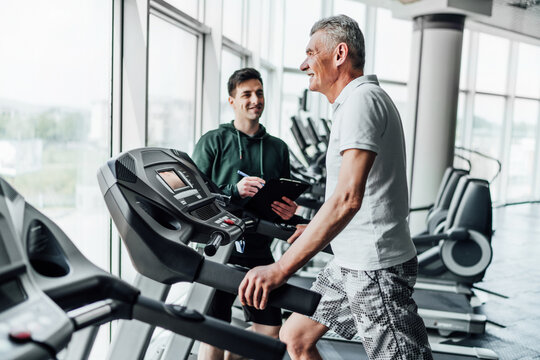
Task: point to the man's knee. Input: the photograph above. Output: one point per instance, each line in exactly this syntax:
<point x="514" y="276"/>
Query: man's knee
<point x="297" y="342"/>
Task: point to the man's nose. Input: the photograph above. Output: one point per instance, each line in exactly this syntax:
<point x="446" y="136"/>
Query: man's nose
<point x="254" y="99"/>
<point x="304" y="66"/>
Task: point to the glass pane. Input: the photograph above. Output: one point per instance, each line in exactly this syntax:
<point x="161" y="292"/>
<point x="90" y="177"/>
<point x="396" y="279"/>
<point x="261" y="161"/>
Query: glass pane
<point x="492" y="70"/>
<point x="392" y="41"/>
<point x="460" y="121"/>
<point x="528" y="71"/>
<point x="55" y="112"/>
<point x="297" y="29"/>
<point x="399" y="95"/>
<point x="266" y="33"/>
<point x="293" y="87"/>
<point x="487" y="137"/>
<point x="463" y="74"/>
<point x="55" y="121"/>
<point x="352" y="8"/>
<point x="230" y="62"/>
<point x="172" y="65"/>
<point x="271" y="123"/>
<point x="190" y="7"/>
<point x="233" y="19"/>
<point x="522" y="150"/>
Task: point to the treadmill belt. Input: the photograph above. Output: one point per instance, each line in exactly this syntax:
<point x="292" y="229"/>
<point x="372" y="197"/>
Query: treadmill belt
<point x="339" y="350"/>
<point x="351" y="350"/>
<point x="437" y="300"/>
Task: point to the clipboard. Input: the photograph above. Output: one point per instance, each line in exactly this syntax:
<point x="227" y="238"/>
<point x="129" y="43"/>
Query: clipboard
<point x="274" y="190"/>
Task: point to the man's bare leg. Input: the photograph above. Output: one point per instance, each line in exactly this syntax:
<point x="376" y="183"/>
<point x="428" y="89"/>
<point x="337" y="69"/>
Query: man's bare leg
<point x="208" y="352"/>
<point x="301" y="334"/>
<point x="267" y="330"/>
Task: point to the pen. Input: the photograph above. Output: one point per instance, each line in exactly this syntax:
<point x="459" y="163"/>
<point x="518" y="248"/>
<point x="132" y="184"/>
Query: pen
<point x="241" y="173"/>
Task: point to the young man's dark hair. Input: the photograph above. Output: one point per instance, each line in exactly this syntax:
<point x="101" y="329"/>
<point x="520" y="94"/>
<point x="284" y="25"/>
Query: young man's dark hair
<point x="239" y="76"/>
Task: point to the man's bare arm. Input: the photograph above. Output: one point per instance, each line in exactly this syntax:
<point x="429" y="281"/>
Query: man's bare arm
<point x="332" y="217"/>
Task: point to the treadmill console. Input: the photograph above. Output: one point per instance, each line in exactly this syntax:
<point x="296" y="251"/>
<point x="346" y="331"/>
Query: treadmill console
<point x="158" y="200"/>
<point x="31" y="325"/>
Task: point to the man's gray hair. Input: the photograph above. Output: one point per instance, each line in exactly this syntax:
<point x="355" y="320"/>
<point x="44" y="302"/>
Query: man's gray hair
<point x="343" y="29"/>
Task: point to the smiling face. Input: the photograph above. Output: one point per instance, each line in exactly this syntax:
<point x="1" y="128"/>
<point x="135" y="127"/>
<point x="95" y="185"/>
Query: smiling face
<point x="247" y="100"/>
<point x="319" y="64"/>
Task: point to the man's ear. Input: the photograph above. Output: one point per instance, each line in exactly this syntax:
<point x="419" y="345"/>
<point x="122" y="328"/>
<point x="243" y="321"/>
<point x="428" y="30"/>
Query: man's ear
<point x="230" y="100"/>
<point x="340" y="54"/>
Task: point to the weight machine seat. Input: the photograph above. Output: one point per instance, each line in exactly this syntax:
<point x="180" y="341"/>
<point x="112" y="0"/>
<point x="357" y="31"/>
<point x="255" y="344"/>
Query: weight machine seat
<point x="462" y="261"/>
<point x="471" y="207"/>
<point x="439" y="211"/>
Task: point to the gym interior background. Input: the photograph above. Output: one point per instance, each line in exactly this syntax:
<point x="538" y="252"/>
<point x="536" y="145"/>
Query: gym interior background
<point x="81" y="81"/>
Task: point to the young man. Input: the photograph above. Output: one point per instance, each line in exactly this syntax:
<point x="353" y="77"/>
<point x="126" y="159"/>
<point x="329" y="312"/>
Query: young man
<point x="366" y="289"/>
<point x="244" y="145"/>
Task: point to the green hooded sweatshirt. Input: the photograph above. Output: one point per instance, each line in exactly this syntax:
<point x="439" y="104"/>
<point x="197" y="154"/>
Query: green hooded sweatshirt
<point x="222" y="152"/>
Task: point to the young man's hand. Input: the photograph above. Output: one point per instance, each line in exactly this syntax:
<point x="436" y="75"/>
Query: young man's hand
<point x="299" y="230"/>
<point x="248" y="186"/>
<point x="285" y="208"/>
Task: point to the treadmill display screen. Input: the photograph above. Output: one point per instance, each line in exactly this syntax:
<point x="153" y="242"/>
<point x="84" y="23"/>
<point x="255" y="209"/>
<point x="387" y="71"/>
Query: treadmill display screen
<point x="11" y="293"/>
<point x="172" y="179"/>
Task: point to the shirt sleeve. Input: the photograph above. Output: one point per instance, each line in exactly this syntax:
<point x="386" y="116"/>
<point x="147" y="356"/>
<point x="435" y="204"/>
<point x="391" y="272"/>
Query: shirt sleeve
<point x="203" y="156"/>
<point x="362" y="122"/>
<point x="285" y="160"/>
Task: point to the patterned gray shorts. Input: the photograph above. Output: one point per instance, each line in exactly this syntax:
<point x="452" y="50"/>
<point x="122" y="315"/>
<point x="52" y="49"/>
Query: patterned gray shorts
<point x="375" y="305"/>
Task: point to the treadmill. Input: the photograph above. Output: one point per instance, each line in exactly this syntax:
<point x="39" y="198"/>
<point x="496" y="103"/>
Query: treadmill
<point x="162" y="205"/>
<point x="41" y="263"/>
<point x="145" y="166"/>
<point x="32" y="326"/>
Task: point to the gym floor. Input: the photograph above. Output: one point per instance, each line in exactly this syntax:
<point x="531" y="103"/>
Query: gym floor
<point x="514" y="272"/>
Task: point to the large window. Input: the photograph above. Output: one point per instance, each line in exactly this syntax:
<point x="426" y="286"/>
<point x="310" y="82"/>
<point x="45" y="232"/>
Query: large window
<point x="352" y="8"/>
<point x="297" y="29"/>
<point x="233" y="20"/>
<point x="488" y="120"/>
<point x="392" y="47"/>
<point x="55" y="101"/>
<point x="522" y="150"/>
<point x="492" y="70"/>
<point x="528" y="71"/>
<point x="172" y="79"/>
<point x="498" y="112"/>
<point x="230" y="62"/>
<point x="55" y="112"/>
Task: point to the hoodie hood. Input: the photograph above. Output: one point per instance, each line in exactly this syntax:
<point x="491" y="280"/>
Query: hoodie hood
<point x="259" y="136"/>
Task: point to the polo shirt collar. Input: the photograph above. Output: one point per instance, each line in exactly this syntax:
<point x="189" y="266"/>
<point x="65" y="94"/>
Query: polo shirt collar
<point x="344" y="94"/>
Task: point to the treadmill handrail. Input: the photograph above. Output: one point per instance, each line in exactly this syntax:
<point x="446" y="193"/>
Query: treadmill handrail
<point x="287" y="296"/>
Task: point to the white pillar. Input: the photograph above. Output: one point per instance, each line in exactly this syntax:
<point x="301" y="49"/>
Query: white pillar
<point x="433" y="97"/>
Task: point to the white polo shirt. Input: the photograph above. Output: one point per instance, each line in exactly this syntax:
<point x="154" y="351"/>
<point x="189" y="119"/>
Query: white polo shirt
<point x="378" y="236"/>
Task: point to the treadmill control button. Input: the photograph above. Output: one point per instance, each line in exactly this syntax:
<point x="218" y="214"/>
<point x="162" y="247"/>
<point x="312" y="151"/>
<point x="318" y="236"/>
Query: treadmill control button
<point x="20" y="336"/>
<point x="229" y="221"/>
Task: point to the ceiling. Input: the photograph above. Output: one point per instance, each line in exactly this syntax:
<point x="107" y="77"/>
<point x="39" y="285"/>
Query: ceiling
<point x="515" y="19"/>
<point x="519" y="20"/>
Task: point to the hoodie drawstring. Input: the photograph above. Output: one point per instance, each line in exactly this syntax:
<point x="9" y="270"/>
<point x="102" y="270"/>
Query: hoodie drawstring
<point x="239" y="144"/>
<point x="261" y="157"/>
<point x="260" y="151"/>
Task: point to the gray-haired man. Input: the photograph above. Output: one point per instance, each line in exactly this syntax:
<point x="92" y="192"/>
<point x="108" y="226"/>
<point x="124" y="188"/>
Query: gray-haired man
<point x="366" y="289"/>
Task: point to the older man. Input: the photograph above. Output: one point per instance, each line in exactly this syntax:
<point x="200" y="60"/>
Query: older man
<point x="366" y="289"/>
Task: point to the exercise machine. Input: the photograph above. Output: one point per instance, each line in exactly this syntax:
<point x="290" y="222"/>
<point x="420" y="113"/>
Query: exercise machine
<point x="162" y="204"/>
<point x="41" y="263"/>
